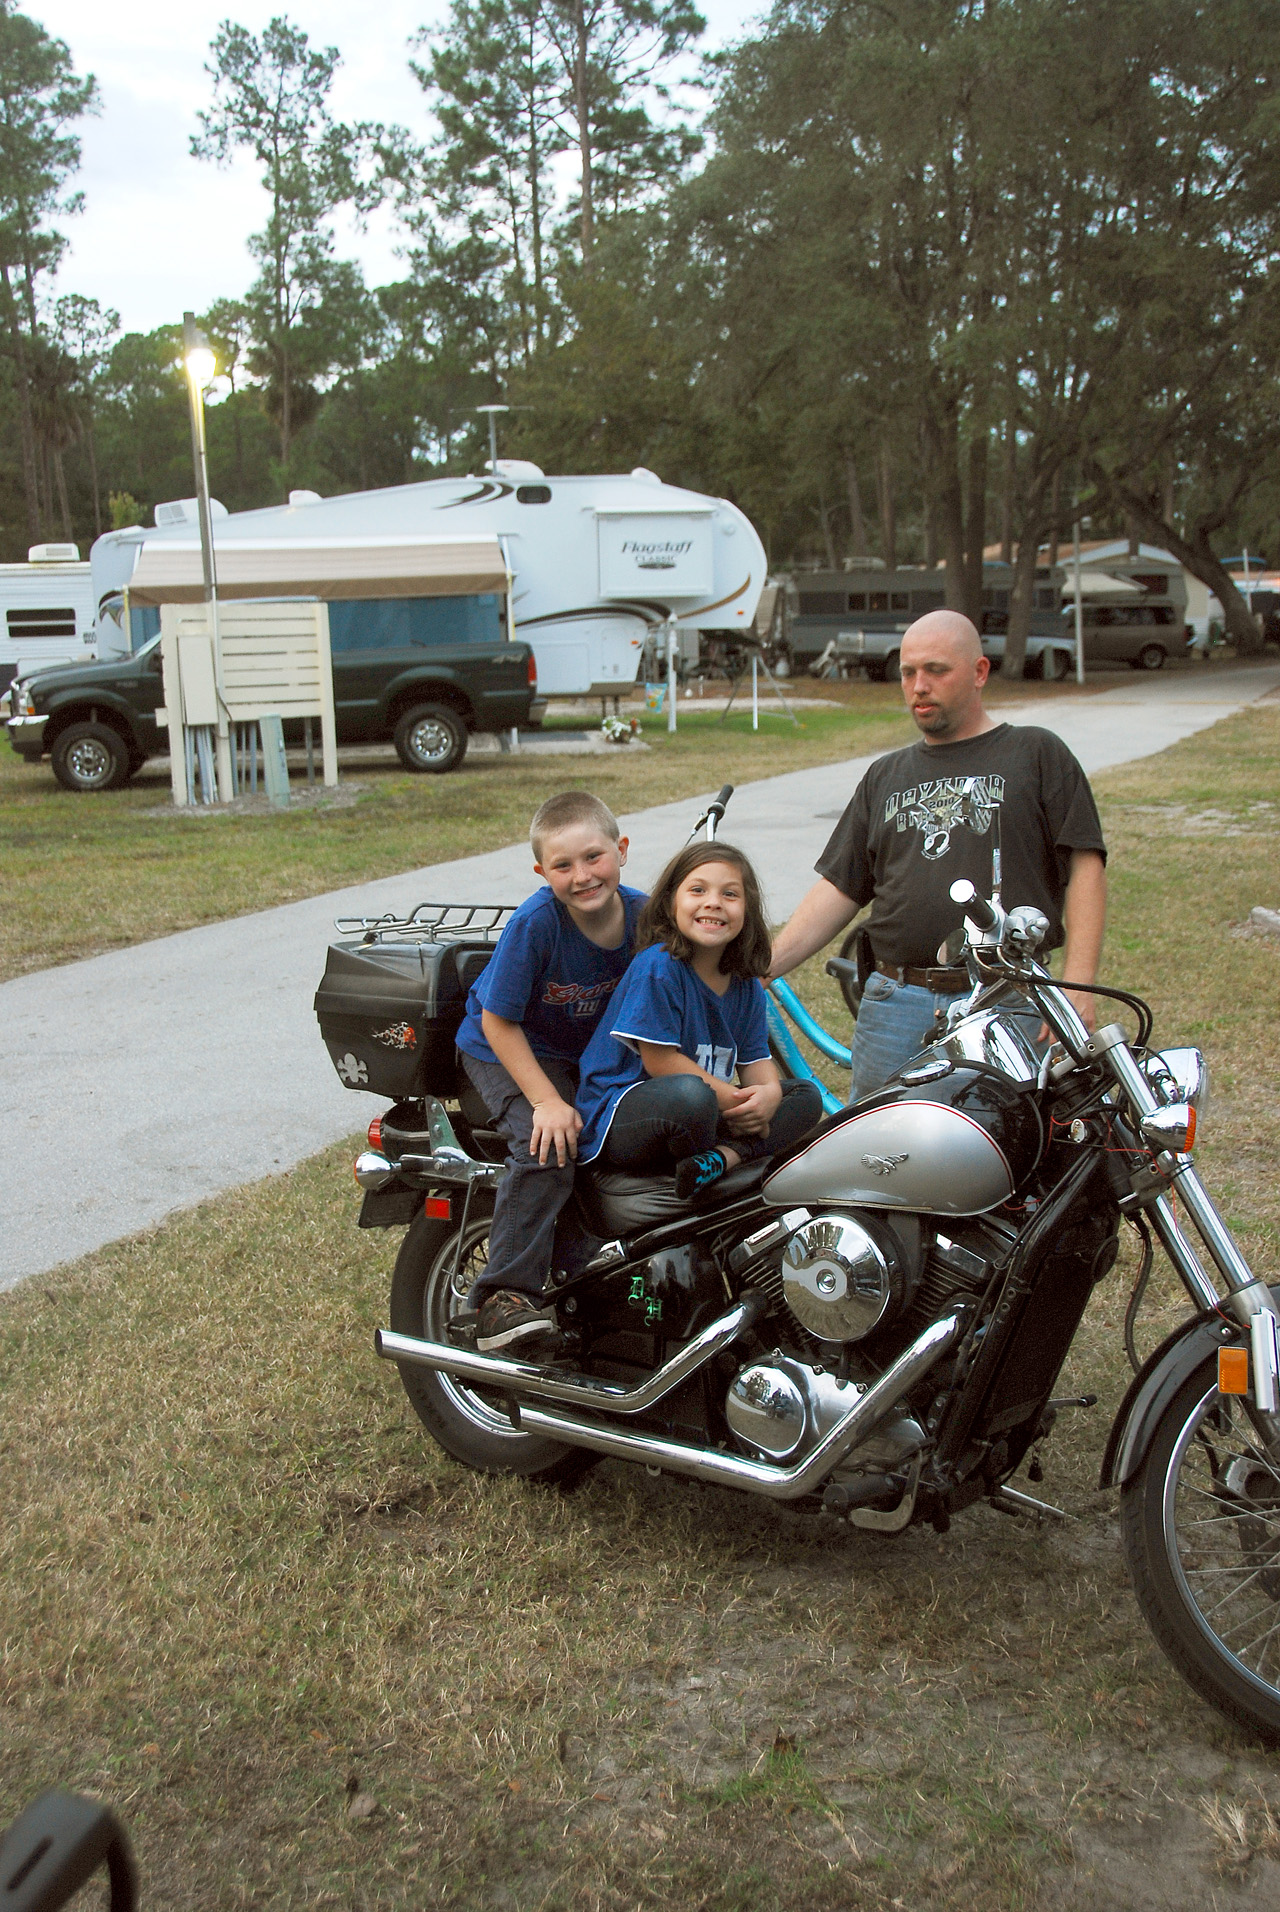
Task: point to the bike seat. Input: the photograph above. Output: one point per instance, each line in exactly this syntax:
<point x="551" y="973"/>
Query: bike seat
<point x="618" y="1204"/>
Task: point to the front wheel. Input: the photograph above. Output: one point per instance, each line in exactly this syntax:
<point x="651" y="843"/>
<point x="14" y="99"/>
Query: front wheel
<point x="91" y="757"/>
<point x="890" y="672"/>
<point x="431" y="737"/>
<point x="431" y="1283"/>
<point x="1150" y="658"/>
<point x="1201" y="1525"/>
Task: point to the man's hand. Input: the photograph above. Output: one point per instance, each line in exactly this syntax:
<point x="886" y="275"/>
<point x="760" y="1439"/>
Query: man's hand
<point x="556" y="1125"/>
<point x="754" y="1110"/>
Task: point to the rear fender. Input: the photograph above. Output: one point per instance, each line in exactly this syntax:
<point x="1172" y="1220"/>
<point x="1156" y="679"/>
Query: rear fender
<point x="1153" y="1388"/>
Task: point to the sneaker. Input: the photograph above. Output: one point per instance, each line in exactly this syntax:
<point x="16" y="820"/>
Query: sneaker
<point x="509" y="1319"/>
<point x="699" y="1171"/>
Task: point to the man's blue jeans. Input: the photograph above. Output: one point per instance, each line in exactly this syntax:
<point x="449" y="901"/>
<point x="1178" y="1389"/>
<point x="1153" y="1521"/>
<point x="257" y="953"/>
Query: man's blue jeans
<point x="897" y="1020"/>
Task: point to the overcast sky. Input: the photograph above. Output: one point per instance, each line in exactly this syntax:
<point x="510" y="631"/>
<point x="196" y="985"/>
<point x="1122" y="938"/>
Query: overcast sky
<point x="162" y="232"/>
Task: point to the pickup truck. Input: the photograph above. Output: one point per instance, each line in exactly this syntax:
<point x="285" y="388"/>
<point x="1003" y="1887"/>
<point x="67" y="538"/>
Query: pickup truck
<point x="878" y="651"/>
<point x="97" y="722"/>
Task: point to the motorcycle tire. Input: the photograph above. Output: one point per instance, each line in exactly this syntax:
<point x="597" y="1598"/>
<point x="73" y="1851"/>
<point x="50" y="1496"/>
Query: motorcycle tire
<point x="1208" y="1583"/>
<point x="465" y="1421"/>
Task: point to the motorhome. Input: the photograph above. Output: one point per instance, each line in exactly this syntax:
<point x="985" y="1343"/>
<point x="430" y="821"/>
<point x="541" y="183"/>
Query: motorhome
<point x="836" y="608"/>
<point x="595" y="564"/>
<point x="49" y="612"/>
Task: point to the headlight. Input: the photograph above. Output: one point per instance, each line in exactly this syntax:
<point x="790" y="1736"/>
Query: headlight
<point x="1179" y="1076"/>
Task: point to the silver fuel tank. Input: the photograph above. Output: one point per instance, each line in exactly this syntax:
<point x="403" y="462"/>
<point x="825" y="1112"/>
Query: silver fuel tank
<point x="957" y="1143"/>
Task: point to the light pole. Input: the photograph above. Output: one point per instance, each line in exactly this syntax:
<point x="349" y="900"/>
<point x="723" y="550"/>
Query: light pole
<point x="492" y="412"/>
<point x="200" y="366"/>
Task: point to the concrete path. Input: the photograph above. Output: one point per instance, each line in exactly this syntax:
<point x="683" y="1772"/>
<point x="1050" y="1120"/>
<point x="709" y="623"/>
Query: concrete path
<point x="140" y="1082"/>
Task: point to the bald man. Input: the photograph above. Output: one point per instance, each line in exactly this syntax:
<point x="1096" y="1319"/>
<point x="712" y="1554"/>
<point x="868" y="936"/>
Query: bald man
<point x="925" y="816"/>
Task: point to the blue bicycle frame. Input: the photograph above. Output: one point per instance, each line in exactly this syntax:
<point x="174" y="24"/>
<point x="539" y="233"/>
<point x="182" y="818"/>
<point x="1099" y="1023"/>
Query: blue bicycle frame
<point x="783" y="1002"/>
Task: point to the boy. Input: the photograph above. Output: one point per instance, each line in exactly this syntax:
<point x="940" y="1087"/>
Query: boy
<point x="528" y="1020"/>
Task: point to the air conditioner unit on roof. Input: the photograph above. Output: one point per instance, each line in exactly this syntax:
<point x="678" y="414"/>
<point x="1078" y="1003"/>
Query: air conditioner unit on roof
<point x="53" y="554"/>
<point x="186" y="511"/>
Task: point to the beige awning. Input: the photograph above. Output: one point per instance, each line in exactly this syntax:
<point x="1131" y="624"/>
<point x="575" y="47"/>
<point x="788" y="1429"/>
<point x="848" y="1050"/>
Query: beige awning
<point x="1098" y="584"/>
<point x="168" y="570"/>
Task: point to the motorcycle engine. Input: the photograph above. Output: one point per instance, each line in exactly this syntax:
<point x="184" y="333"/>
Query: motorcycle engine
<point x="837" y="1277"/>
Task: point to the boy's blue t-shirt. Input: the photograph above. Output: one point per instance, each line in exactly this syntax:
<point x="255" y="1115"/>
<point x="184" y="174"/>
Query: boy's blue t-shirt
<point x="550" y="978"/>
<point x="662" y="1000"/>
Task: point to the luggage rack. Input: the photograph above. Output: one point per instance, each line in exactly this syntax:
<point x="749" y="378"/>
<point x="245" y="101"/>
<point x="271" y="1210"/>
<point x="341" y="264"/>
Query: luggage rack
<point x="432" y="923"/>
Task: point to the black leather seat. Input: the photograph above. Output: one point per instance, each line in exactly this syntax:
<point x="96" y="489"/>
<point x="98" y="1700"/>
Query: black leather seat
<point x="618" y="1204"/>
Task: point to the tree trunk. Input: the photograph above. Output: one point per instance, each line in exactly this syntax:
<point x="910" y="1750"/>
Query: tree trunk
<point x="1021" y="598"/>
<point x="975" y="527"/>
<point x="824" y="519"/>
<point x="582" y="114"/>
<point x="887" y="505"/>
<point x="91" y="446"/>
<point x="60" y="478"/>
<point x="286" y="415"/>
<point x="1194" y="551"/>
<point x="1055" y="508"/>
<point x="857" y="523"/>
<point x="26" y="429"/>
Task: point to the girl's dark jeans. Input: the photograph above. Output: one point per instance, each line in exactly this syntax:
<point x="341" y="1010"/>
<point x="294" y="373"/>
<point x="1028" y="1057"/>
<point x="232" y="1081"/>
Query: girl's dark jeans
<point x="666" y="1118"/>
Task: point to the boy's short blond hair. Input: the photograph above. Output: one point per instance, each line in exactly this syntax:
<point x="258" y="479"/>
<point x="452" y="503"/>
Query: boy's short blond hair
<point x="570" y="808"/>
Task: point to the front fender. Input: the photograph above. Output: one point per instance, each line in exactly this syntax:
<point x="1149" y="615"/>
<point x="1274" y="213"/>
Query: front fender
<point x="1153" y="1387"/>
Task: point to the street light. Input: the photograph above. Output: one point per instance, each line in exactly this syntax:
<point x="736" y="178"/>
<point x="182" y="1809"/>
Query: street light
<point x="200" y="364"/>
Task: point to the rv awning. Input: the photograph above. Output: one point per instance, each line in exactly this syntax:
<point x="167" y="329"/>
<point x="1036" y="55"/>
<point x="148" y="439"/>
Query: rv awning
<point x="1098" y="584"/>
<point x="168" y="570"/>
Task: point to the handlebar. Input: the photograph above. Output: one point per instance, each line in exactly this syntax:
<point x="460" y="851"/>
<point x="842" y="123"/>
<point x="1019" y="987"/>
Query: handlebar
<point x="713" y="814"/>
<point x="976" y="908"/>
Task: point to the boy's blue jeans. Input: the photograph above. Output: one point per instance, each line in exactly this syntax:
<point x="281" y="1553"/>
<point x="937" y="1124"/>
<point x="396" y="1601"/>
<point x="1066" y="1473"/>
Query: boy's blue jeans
<point x="531" y="1193"/>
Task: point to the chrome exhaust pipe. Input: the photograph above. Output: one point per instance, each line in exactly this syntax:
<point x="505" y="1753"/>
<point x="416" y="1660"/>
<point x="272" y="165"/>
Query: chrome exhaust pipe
<point x="524" y="1378"/>
<point x="757" y="1477"/>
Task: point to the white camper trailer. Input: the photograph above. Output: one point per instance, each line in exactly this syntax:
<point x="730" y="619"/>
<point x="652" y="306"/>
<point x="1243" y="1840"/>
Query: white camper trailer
<point x="596" y="564"/>
<point x="49" y="612"/>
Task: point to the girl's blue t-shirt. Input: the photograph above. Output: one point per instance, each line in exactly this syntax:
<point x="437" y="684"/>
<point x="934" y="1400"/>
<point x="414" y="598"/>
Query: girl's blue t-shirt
<point x="550" y="978"/>
<point x="664" y="1001"/>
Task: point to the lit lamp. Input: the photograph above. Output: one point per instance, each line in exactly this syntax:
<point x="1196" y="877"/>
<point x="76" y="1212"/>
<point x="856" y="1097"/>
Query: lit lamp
<point x="201" y="366"/>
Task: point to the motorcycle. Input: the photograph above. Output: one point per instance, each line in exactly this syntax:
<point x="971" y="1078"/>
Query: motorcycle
<point x="871" y="1325"/>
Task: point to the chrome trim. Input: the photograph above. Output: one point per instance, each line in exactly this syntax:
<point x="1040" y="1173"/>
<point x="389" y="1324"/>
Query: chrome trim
<point x="732" y="1470"/>
<point x="524" y="1378"/>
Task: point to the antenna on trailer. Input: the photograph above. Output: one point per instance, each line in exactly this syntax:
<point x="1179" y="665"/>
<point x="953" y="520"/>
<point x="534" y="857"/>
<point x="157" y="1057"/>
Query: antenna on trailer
<point x="492" y="413"/>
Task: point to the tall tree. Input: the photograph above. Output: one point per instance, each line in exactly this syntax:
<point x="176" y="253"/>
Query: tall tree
<point x="83" y="330"/>
<point x="40" y="99"/>
<point x="271" y="97"/>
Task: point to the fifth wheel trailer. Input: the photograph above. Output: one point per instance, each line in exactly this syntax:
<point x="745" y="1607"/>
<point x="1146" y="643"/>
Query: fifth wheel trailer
<point x="597" y="564"/>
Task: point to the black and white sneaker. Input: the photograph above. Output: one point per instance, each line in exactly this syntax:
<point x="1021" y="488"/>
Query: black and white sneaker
<point x="509" y="1319"/>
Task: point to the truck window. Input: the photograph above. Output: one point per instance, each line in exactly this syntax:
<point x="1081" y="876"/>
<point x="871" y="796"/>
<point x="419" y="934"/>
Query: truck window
<point x="407" y="624"/>
<point x="927" y="600"/>
<point x="822" y="603"/>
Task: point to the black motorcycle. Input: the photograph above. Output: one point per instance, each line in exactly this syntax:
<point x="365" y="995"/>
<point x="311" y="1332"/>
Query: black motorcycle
<point x="872" y="1324"/>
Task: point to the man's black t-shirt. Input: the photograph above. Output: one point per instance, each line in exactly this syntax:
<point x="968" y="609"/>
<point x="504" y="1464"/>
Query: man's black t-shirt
<point x="927" y="815"/>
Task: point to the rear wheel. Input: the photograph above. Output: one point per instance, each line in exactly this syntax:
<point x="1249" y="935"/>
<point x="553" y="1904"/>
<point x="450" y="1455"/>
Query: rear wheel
<point x="91" y="757"/>
<point x="432" y="738"/>
<point x="1201" y="1525"/>
<point x="1150" y="658"/>
<point x="889" y="670"/>
<point x="469" y="1423"/>
<point x="1054" y="666"/>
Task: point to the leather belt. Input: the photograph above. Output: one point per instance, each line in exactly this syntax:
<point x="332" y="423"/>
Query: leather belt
<point x="942" y="982"/>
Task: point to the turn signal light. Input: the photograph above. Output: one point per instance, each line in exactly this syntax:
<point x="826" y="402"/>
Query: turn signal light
<point x="1233" y="1370"/>
<point x="375" y="1133"/>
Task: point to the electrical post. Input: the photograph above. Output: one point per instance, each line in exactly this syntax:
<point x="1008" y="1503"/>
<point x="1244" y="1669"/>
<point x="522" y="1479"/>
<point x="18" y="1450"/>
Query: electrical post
<point x="672" y="685"/>
<point x="200" y="365"/>
<point x="1079" y="608"/>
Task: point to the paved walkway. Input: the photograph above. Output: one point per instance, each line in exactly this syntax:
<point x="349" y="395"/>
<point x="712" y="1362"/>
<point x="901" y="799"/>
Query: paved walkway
<point x="143" y="1081"/>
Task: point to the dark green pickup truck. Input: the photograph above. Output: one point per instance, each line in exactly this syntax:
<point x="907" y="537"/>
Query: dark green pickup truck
<point x="421" y="673"/>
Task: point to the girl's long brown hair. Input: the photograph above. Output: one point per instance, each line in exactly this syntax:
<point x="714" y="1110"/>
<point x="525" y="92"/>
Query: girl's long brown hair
<point x="750" y="952"/>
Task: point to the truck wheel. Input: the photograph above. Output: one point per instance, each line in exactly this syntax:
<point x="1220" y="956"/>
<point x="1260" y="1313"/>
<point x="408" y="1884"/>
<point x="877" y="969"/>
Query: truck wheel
<point x="1055" y="665"/>
<point x="431" y="737"/>
<point x="889" y="672"/>
<point x="91" y="757"/>
<point x="1150" y="658"/>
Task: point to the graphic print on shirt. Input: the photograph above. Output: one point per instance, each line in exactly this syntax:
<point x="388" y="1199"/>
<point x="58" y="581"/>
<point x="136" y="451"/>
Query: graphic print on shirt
<point x="580" y="999"/>
<point x="716" y="1061"/>
<point x="947" y="804"/>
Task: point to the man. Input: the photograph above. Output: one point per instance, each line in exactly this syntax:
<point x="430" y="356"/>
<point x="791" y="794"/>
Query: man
<point x="925" y="816"/>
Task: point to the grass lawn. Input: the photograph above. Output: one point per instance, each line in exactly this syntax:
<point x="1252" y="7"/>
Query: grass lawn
<point x="316" y="1663"/>
<point x="85" y="874"/>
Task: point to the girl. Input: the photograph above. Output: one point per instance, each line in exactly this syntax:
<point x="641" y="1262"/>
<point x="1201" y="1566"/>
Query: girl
<point x="657" y="1084"/>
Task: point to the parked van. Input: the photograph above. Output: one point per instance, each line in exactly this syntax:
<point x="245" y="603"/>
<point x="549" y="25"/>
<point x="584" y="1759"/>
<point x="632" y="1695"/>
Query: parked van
<point x="49" y="614"/>
<point x="1140" y="635"/>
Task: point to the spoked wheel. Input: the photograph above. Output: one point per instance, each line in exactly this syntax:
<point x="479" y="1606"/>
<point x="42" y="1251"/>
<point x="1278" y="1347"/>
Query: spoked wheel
<point x="1201" y="1523"/>
<point x="431" y="1284"/>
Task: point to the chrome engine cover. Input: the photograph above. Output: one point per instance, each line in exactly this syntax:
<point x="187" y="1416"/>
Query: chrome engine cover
<point x="782" y="1407"/>
<point x="836" y="1278"/>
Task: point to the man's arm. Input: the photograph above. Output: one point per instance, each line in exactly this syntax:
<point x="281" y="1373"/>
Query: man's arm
<point x="555" y="1122"/>
<point x="819" y="915"/>
<point x="1084" y="916"/>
